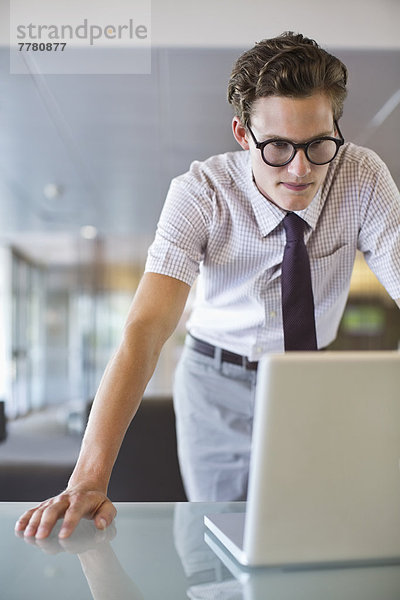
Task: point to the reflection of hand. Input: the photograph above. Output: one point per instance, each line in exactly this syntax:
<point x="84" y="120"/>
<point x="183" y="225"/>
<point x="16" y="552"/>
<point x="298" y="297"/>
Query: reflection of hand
<point x="85" y="537"/>
<point x="73" y="504"/>
<point x="101" y="567"/>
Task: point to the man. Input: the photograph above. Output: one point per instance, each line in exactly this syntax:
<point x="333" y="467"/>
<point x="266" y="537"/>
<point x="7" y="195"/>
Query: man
<point x="226" y="219"/>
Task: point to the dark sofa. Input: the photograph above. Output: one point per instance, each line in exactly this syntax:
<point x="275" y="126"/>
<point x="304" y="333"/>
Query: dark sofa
<point x="146" y="469"/>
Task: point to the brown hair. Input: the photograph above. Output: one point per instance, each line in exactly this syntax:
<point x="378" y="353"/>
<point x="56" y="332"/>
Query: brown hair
<point x="289" y="65"/>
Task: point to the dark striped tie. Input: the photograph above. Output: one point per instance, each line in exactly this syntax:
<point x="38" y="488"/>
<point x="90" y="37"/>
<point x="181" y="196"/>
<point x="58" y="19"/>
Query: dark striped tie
<point x="297" y="296"/>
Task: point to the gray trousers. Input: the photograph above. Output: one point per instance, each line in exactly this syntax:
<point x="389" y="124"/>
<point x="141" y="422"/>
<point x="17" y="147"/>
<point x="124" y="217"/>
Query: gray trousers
<point x="214" y="405"/>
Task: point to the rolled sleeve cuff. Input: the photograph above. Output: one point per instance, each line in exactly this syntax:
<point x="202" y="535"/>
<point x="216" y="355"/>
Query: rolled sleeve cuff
<point x="173" y="262"/>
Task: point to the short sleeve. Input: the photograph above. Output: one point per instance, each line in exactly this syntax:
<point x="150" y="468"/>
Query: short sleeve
<point x="182" y="231"/>
<point x="379" y="237"/>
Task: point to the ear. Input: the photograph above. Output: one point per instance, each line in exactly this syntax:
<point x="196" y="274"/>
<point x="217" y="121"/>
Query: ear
<point x="240" y="133"/>
<point x="335" y="128"/>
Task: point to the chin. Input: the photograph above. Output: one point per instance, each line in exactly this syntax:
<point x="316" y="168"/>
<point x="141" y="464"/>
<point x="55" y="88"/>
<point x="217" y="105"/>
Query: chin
<point x="293" y="204"/>
<point x="298" y="205"/>
<point x="294" y="201"/>
<point x="290" y="201"/>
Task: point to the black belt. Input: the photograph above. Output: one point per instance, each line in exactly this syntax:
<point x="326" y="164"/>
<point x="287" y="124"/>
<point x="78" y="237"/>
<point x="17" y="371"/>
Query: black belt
<point x="226" y="356"/>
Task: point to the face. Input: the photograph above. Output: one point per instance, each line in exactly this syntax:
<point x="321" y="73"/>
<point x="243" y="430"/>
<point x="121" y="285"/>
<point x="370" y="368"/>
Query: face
<point x="299" y="120"/>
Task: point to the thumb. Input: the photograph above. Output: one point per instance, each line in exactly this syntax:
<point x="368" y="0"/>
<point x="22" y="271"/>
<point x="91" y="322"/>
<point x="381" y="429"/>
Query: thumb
<point x="105" y="515"/>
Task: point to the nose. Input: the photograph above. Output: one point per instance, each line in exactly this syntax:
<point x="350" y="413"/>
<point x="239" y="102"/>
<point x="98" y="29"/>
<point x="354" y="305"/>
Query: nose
<point x="299" y="166"/>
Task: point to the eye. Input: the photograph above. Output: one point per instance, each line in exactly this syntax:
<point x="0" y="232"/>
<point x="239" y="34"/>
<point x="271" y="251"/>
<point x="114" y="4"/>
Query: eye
<point x="280" y="144"/>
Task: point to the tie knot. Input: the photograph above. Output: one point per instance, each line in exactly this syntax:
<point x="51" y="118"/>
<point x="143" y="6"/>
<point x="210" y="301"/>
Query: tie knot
<point x="294" y="227"/>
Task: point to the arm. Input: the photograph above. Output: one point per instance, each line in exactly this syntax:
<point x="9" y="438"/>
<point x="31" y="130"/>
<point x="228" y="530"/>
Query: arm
<point x="153" y="316"/>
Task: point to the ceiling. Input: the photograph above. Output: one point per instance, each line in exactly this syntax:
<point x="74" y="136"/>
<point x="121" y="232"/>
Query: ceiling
<point x="112" y="143"/>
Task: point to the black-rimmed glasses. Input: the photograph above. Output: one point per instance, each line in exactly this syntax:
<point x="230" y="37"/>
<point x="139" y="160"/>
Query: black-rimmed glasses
<point x="319" y="151"/>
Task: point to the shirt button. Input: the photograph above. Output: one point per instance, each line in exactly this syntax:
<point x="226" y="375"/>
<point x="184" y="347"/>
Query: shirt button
<point x="259" y="349"/>
<point x="272" y="314"/>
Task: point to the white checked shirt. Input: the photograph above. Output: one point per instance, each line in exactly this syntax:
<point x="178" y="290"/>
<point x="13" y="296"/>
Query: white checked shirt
<point x="216" y="224"/>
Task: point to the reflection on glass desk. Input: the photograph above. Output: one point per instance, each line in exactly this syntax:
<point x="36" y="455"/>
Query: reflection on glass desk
<point x="162" y="551"/>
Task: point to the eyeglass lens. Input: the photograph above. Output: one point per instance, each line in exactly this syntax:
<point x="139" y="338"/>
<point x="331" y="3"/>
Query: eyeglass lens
<point x="318" y="152"/>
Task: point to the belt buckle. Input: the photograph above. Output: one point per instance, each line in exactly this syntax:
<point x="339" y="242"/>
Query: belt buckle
<point x="245" y="362"/>
<point x="248" y="364"/>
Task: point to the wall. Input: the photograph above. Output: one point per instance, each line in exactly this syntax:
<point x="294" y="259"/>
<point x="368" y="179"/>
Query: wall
<point x="5" y="323"/>
<point x="343" y="23"/>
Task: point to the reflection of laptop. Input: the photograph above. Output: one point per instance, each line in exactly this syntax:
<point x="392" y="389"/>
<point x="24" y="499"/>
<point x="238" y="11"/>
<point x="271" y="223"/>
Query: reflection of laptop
<point x="376" y="581"/>
<point x="324" y="477"/>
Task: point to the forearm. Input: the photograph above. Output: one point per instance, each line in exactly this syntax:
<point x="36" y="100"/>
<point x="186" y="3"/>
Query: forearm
<point x="153" y="316"/>
<point x="117" y="400"/>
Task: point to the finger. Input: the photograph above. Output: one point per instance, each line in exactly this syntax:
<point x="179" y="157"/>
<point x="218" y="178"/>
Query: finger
<point x="105" y="515"/>
<point x="49" y="517"/>
<point x="33" y="524"/>
<point x="24" y="519"/>
<point x="91" y="505"/>
<point x="82" y="505"/>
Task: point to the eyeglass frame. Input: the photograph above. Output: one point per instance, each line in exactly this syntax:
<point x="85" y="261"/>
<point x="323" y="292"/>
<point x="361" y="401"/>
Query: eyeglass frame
<point x="261" y="145"/>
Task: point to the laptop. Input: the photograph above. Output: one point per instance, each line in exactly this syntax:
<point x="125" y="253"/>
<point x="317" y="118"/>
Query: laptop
<point x="324" y="483"/>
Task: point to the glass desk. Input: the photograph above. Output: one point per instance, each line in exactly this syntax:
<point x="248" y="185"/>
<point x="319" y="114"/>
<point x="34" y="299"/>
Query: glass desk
<point x="159" y="552"/>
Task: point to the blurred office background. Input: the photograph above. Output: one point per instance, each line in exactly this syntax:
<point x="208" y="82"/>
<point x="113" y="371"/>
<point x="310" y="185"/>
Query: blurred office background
<point x="85" y="163"/>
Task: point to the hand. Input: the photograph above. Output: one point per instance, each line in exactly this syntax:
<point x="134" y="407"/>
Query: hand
<point x="85" y="537"/>
<point x="73" y="504"/>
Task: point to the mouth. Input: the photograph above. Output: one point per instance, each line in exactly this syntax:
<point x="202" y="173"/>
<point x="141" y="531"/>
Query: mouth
<point x="296" y="187"/>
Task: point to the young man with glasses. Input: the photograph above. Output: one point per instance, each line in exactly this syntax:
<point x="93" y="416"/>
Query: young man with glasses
<point x="224" y="223"/>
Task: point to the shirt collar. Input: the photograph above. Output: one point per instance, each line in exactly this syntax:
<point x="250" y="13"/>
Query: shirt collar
<point x="269" y="216"/>
<point x="313" y="210"/>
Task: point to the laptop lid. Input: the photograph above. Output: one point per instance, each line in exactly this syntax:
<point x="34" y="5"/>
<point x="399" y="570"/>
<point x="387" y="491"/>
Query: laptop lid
<point x="324" y="482"/>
